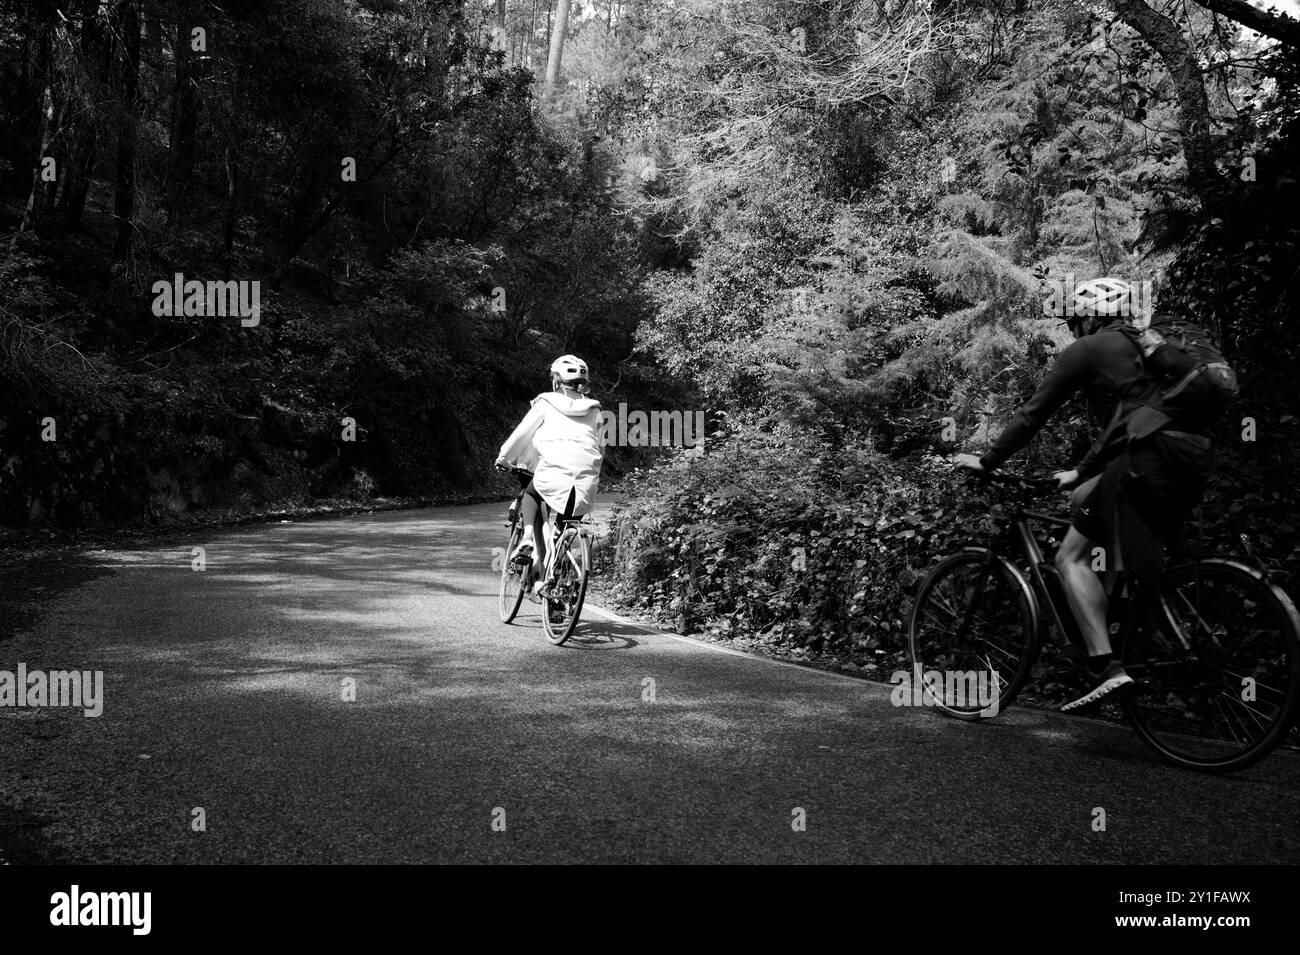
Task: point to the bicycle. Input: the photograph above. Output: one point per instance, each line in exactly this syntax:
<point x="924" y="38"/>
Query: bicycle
<point x="1214" y="649"/>
<point x="565" y="589"/>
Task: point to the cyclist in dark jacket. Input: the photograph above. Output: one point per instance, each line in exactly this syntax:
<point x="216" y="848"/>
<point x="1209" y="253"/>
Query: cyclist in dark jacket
<point x="1129" y="494"/>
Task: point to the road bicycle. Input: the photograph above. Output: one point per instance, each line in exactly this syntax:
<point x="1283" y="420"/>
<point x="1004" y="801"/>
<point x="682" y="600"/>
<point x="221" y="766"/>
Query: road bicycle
<point x="569" y="551"/>
<point x="1213" y="649"/>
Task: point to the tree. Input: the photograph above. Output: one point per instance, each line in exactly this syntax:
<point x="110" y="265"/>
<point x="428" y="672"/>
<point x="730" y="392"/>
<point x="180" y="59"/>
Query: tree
<point x="557" y="45"/>
<point x="185" y="107"/>
<point x="1277" y="26"/>
<point x="1194" y="121"/>
<point x="126" y="19"/>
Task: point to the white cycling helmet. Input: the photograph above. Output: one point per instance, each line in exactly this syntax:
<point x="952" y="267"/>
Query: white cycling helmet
<point x="569" y="370"/>
<point x="1103" y="298"/>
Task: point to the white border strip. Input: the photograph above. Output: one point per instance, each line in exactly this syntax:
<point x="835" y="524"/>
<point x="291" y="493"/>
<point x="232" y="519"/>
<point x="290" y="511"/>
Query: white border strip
<point x="729" y="651"/>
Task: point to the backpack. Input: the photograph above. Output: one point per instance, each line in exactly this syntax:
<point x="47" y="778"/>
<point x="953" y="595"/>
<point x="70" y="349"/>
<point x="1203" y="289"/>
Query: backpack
<point x="1195" y="385"/>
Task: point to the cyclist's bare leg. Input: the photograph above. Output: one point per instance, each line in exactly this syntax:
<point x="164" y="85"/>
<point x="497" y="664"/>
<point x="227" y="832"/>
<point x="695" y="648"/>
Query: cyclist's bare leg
<point x="549" y="535"/>
<point x="542" y="541"/>
<point x="1084" y="590"/>
<point x="530" y="516"/>
<point x="542" y="552"/>
<point x="528" y="521"/>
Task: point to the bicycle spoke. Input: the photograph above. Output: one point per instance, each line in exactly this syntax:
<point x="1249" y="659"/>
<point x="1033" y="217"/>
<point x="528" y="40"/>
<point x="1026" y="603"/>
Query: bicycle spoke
<point x="949" y="608"/>
<point x="1237" y="737"/>
<point x="969" y="618"/>
<point x="1221" y="693"/>
<point x="1006" y="654"/>
<point x="1193" y="608"/>
<point x="1261" y="688"/>
<point x="1239" y="707"/>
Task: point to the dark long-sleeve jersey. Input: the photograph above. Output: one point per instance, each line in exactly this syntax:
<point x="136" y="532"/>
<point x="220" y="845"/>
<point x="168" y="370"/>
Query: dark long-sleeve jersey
<point x="1108" y="367"/>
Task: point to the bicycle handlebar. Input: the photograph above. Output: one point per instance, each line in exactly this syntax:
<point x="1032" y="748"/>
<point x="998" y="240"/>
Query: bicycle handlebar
<point x="1033" y="483"/>
<point x="513" y="469"/>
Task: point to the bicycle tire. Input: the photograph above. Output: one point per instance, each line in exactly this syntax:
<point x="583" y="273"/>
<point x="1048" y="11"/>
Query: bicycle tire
<point x="570" y="583"/>
<point x="1216" y="674"/>
<point x="513" y="579"/>
<point x="1020" y="610"/>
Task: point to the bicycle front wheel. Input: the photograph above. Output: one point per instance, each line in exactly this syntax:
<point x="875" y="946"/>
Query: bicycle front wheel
<point x="1217" y="663"/>
<point x="513" y="578"/>
<point x="563" y="605"/>
<point x="973" y="635"/>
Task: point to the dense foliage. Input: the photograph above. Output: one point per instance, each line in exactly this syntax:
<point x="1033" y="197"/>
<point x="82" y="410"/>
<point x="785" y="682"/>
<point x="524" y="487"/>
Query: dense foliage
<point x="425" y="240"/>
<point x="830" y="224"/>
<point x="875" y="301"/>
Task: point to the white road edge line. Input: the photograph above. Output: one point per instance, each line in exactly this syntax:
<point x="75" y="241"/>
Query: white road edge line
<point x="619" y="618"/>
<point x="888" y="687"/>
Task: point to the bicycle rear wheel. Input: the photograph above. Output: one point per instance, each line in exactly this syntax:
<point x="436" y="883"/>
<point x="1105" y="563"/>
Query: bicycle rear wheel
<point x="1217" y="663"/>
<point x="973" y="635"/>
<point x="513" y="578"/>
<point x="563" y="605"/>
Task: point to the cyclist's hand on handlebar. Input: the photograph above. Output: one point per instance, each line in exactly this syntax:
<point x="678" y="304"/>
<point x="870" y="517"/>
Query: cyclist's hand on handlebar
<point x="1066" y="479"/>
<point x="969" y="461"/>
<point x="501" y="465"/>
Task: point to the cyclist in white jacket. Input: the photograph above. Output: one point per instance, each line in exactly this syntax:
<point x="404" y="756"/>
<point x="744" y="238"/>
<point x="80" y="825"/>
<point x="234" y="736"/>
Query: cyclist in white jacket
<point x="561" y="433"/>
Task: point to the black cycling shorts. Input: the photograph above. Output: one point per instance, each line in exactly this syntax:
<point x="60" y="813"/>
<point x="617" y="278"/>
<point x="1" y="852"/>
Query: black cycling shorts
<point x="531" y="491"/>
<point x="1165" y="482"/>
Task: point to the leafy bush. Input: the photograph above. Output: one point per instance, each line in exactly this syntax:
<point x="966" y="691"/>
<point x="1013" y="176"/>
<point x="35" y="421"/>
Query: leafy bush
<point x="752" y="540"/>
<point x="805" y="548"/>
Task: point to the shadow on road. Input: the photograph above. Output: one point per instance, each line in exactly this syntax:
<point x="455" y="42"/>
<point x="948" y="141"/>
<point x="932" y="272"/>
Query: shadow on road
<point x="344" y="692"/>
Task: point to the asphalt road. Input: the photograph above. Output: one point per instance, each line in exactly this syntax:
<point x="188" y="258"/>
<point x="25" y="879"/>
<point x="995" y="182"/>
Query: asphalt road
<point x="224" y="690"/>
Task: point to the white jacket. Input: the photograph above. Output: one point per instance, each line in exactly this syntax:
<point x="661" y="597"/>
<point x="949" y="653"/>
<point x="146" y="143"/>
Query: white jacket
<point x="563" y="435"/>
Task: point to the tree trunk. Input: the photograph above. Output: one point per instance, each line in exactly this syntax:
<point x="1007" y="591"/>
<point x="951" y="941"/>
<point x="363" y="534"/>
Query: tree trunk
<point x="1165" y="37"/>
<point x="1278" y="26"/>
<point x="503" y="37"/>
<point x="531" y="39"/>
<point x="557" y="46"/>
<point x="128" y="28"/>
<point x="40" y="76"/>
<point x="76" y="182"/>
<point x="34" y="197"/>
<point x="184" y="119"/>
<point x="84" y="141"/>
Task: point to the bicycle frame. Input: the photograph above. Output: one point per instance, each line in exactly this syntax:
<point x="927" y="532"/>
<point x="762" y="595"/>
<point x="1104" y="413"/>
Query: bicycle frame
<point x="1046" y="581"/>
<point x="567" y="534"/>
<point x="557" y="526"/>
<point x="1047" y="587"/>
<point x="1179" y="644"/>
